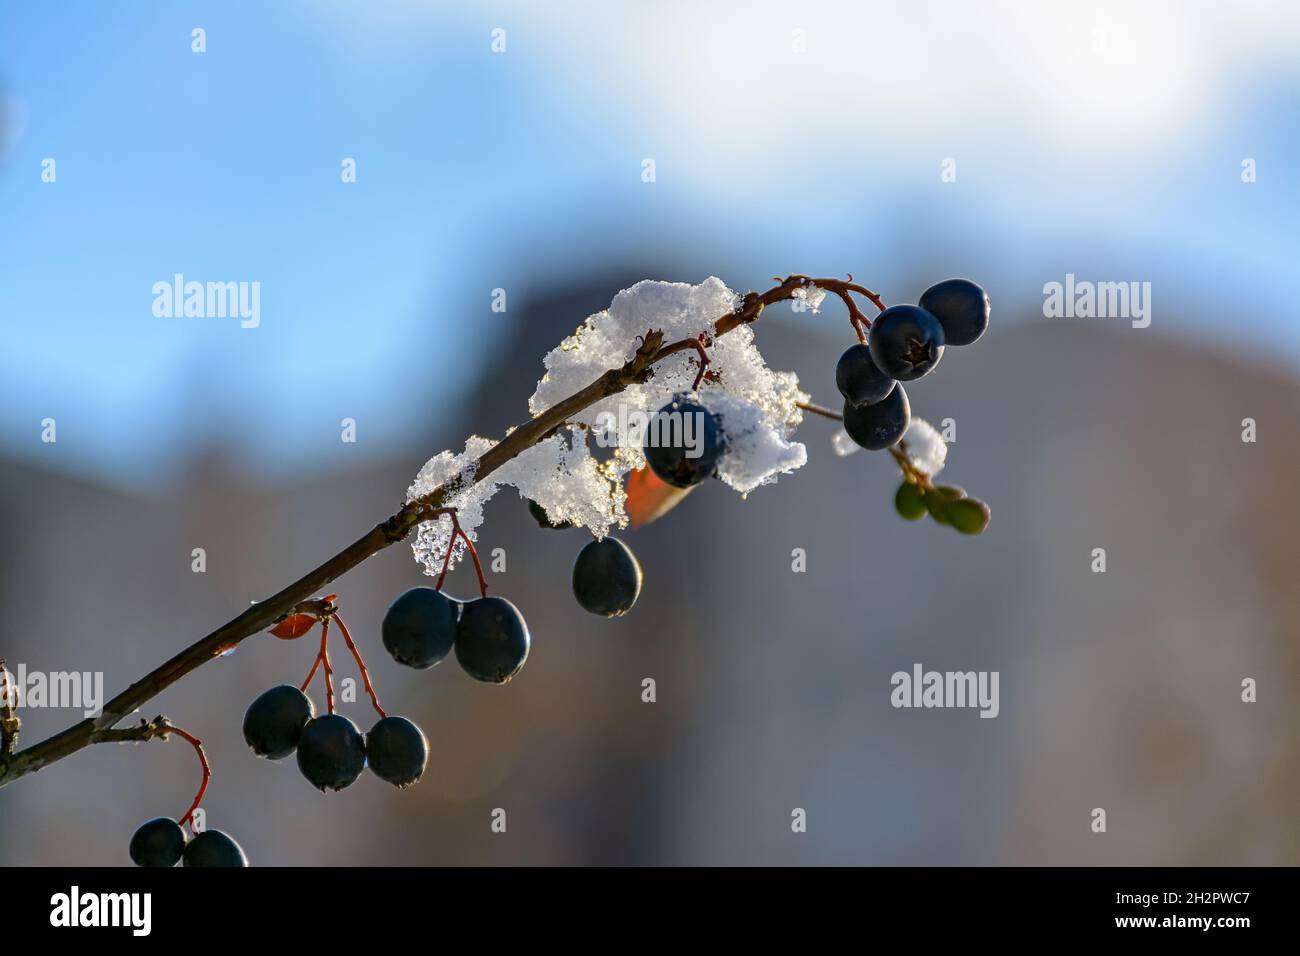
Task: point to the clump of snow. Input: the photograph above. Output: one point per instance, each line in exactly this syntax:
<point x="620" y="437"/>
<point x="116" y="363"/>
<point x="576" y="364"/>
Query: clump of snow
<point x="432" y="538"/>
<point x="754" y="452"/>
<point x="926" y="449"/>
<point x="559" y="473"/>
<point x="808" y="298"/>
<point x="758" y="441"/>
<point x="756" y="407"/>
<point x="843" y="445"/>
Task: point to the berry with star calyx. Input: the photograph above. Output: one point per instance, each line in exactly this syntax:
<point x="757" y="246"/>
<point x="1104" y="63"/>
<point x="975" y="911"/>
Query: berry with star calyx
<point x="906" y="342"/>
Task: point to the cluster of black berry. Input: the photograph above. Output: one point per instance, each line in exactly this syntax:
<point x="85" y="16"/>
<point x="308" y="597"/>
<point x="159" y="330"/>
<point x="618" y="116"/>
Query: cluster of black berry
<point x="162" y="842"/>
<point x="489" y="634"/>
<point x="332" y="752"/>
<point x="903" y="344"/>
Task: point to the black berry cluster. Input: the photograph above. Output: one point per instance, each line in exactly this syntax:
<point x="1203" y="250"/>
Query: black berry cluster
<point x="162" y="842"/>
<point x="904" y="343"/>
<point x="332" y="751"/>
<point x="488" y="634"/>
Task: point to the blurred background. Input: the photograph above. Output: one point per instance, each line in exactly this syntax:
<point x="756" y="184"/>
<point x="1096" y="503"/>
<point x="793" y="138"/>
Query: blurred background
<point x="1116" y="142"/>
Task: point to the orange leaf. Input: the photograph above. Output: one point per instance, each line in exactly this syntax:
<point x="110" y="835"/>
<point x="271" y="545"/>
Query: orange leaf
<point x="295" y="625"/>
<point x="649" y="497"/>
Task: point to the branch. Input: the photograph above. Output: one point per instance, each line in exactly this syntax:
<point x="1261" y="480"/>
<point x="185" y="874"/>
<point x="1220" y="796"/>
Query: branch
<point x="899" y="451"/>
<point x="9" y="721"/>
<point x="297" y="597"/>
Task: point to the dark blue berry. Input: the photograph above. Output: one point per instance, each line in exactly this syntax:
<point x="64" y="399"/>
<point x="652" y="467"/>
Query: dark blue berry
<point x="858" y="377"/>
<point x="159" y="842"/>
<point x="420" y="627"/>
<point x="274" y="721"/>
<point x="331" y="752"/>
<point x="606" y="577"/>
<point x="906" y="342"/>
<point x="491" y="640"/>
<point x="683" y="443"/>
<point x="214" y="848"/>
<point x="880" y="425"/>
<point x="961" y="307"/>
<point x="542" y="518"/>
<point x="396" y="751"/>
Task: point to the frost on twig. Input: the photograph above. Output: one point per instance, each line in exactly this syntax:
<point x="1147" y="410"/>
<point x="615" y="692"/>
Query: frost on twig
<point x="577" y="474"/>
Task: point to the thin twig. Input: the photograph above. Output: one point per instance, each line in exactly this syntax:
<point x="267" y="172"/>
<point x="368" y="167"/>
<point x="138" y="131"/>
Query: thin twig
<point x="898" y="451"/>
<point x="266" y="613"/>
<point x="821" y="410"/>
<point x="207" y="774"/>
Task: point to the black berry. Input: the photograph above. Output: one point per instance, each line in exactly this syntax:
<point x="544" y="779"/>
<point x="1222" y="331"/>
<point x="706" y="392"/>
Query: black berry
<point x="396" y="751"/>
<point x="542" y="518"/>
<point x="159" y="842"/>
<point x="683" y="443"/>
<point x="906" y="342"/>
<point x="859" y="379"/>
<point x="214" y="848"/>
<point x="961" y="307"/>
<point x="606" y="577"/>
<point x="420" y="627"/>
<point x="331" y="752"/>
<point x="880" y="425"/>
<point x="274" y="721"/>
<point x="491" y="640"/>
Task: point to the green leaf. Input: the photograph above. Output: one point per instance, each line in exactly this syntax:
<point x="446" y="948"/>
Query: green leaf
<point x="968" y="515"/>
<point x="909" y="502"/>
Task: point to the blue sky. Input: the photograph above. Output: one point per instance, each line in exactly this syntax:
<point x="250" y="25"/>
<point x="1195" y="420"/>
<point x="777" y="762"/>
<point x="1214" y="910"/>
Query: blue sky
<point x="1105" y="141"/>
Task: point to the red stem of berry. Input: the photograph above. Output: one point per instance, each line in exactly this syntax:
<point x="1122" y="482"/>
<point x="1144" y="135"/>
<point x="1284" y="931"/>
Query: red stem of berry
<point x="361" y="665"/>
<point x="207" y="774"/>
<point x="697" y="344"/>
<point x="478" y="568"/>
<point x="457" y="531"/>
<point x="323" y="657"/>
